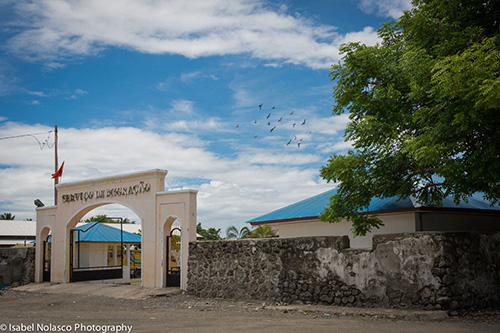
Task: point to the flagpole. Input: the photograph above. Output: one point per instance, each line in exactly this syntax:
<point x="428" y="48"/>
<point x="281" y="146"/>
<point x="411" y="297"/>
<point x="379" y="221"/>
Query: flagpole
<point x="56" y="179"/>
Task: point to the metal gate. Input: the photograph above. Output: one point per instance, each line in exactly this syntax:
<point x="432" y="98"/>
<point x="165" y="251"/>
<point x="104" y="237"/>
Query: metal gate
<point x="95" y="272"/>
<point x="46" y="260"/>
<point x="173" y="273"/>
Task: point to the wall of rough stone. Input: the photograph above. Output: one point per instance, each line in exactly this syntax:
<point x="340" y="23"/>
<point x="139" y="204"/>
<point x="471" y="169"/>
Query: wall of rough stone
<point x="421" y="270"/>
<point x="17" y="265"/>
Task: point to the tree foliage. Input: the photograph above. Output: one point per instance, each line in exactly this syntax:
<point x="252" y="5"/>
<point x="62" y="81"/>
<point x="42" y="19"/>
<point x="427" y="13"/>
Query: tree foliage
<point x="233" y="233"/>
<point x="105" y="219"/>
<point x="7" y="216"/>
<point x="208" y="234"/>
<point x="259" y="232"/>
<point x="424" y="111"/>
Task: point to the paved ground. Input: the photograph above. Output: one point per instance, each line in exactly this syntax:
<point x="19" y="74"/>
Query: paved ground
<point x="78" y="306"/>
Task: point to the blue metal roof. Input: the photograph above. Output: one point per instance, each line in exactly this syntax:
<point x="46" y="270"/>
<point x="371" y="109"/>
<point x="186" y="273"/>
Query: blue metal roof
<point x="313" y="206"/>
<point x="98" y="232"/>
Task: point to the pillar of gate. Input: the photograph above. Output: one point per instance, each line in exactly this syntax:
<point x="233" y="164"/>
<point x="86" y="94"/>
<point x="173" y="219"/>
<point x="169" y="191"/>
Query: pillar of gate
<point x="143" y="193"/>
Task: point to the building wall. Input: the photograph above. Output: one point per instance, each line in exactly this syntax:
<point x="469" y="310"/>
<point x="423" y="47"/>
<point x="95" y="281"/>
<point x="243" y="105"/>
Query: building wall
<point x="393" y="223"/>
<point x="17" y="265"/>
<point x="419" y="270"/>
<point x="448" y="221"/>
<point x="93" y="254"/>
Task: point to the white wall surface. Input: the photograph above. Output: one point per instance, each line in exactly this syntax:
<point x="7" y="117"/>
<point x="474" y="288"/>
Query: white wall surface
<point x="393" y="223"/>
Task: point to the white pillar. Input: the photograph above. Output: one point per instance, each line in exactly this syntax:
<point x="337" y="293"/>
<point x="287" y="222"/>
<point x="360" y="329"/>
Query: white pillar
<point x="115" y="255"/>
<point x="127" y="255"/>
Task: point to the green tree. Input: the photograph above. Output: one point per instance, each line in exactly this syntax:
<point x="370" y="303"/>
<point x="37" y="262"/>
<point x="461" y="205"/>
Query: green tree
<point x="423" y="108"/>
<point x="208" y="234"/>
<point x="7" y="216"/>
<point x="96" y="218"/>
<point x="105" y="219"/>
<point x="262" y="232"/>
<point x="233" y="233"/>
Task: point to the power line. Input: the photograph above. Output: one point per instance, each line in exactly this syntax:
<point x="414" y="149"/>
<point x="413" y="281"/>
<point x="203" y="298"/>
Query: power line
<point x="43" y="144"/>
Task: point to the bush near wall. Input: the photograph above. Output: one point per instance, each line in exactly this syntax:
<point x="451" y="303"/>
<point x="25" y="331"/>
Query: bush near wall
<point x="420" y="270"/>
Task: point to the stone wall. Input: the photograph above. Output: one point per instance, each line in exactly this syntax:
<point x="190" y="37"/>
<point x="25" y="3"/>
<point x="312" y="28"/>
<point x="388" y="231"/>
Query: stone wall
<point x="421" y="270"/>
<point x="17" y="265"/>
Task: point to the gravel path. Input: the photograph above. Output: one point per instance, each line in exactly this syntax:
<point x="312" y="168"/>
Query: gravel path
<point x="78" y="306"/>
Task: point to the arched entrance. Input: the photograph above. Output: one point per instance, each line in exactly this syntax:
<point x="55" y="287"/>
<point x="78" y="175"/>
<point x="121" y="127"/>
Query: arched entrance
<point x="143" y="193"/>
<point x="172" y="252"/>
<point x="45" y="253"/>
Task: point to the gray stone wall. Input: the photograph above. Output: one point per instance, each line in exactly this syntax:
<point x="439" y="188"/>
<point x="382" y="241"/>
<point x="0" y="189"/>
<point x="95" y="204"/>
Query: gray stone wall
<point x="423" y="270"/>
<point x="17" y="265"/>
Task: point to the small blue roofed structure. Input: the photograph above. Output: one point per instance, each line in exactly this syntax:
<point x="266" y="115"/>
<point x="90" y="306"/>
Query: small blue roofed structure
<point x="405" y="215"/>
<point x="98" y="232"/>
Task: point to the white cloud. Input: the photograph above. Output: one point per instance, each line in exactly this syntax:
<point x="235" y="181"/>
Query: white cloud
<point x="191" y="76"/>
<point x="182" y="116"/>
<point x="182" y="106"/>
<point x="391" y="8"/>
<point x="336" y="147"/>
<point x="231" y="189"/>
<point x="57" y="29"/>
<point x="37" y="93"/>
<point x="77" y="93"/>
<point x="330" y="125"/>
<point x="367" y="36"/>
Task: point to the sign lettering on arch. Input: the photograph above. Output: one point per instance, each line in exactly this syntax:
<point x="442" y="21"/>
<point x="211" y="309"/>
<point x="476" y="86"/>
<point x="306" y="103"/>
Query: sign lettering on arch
<point x="107" y="193"/>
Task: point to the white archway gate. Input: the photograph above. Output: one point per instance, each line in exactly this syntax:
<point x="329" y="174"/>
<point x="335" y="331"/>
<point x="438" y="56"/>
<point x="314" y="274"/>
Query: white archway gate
<point x="143" y="193"/>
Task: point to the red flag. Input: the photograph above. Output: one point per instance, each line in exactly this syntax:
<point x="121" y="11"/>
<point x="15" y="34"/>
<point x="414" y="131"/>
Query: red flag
<point x="59" y="172"/>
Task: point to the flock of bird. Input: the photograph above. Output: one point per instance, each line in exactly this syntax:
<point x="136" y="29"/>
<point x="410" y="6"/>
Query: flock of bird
<point x="273" y="125"/>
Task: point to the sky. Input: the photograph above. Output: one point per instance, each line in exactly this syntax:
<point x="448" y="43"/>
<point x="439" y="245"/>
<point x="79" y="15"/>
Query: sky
<point x="232" y="98"/>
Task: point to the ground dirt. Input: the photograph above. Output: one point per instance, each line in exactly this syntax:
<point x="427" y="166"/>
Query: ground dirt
<point x="80" y="305"/>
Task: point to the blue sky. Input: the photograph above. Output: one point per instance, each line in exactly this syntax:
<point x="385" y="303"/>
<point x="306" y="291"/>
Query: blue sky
<point x="176" y="85"/>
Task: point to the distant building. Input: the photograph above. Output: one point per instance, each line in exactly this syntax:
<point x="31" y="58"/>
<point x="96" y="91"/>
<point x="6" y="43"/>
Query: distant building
<point x="301" y="218"/>
<point x="17" y="233"/>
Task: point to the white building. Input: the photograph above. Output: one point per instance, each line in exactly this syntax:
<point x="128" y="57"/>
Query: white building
<point x="17" y="233"/>
<point x="301" y="218"/>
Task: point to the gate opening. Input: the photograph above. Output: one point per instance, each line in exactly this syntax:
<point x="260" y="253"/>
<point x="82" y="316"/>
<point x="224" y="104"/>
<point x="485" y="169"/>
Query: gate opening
<point x="100" y="251"/>
<point x="173" y="267"/>
<point x="47" y="246"/>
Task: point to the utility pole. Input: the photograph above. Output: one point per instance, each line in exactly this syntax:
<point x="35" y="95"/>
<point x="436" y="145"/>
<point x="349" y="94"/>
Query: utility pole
<point x="56" y="179"/>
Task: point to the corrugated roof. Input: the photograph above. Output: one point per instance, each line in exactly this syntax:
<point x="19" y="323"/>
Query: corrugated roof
<point x="313" y="206"/>
<point x="17" y="228"/>
<point x="130" y="227"/>
<point x="98" y="232"/>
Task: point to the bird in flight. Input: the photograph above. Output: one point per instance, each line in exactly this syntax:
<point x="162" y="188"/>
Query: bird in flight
<point x="273" y="108"/>
<point x="303" y="122"/>
<point x="268" y="123"/>
<point x="269" y="115"/>
<point x="237" y="125"/>
<point x="294" y="124"/>
<point x="289" y="142"/>
<point x="260" y="106"/>
<point x="255" y="121"/>
<point x="255" y="136"/>
<point x="280" y="119"/>
<point x="291" y="112"/>
<point x="298" y="144"/>
<point x="272" y="129"/>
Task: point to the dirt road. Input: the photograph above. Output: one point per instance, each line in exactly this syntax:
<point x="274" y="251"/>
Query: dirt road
<point x="84" y="307"/>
